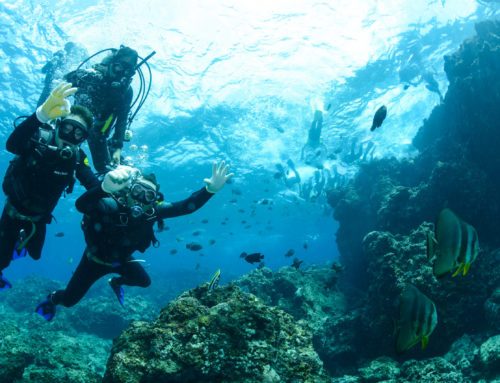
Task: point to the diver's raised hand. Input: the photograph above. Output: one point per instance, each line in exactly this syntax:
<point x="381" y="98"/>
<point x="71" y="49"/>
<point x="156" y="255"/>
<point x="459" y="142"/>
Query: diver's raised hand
<point x="56" y="105"/>
<point x="117" y="179"/>
<point x="219" y="177"/>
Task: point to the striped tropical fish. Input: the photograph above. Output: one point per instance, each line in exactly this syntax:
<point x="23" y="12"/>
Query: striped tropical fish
<point x="417" y="319"/>
<point x="455" y="244"/>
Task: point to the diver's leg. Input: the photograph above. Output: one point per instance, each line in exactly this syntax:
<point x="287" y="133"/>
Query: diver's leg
<point x="99" y="150"/>
<point x="85" y="276"/>
<point x="132" y="274"/>
<point x="9" y="232"/>
<point x="35" y="244"/>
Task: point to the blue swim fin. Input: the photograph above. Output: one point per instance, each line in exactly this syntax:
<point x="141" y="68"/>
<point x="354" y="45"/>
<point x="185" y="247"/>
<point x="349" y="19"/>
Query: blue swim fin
<point x="46" y="309"/>
<point x="4" y="283"/>
<point x="118" y="290"/>
<point x="18" y="253"/>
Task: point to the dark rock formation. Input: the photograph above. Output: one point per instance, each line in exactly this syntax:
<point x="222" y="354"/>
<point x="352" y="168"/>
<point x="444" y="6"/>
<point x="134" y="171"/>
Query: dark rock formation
<point x="457" y="167"/>
<point x="385" y="211"/>
<point x="222" y="336"/>
<point x="395" y="260"/>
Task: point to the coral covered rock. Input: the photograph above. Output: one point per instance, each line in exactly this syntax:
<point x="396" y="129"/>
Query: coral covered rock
<point x="380" y="369"/>
<point x="312" y="295"/>
<point x="464" y="354"/>
<point x="489" y="354"/>
<point x="225" y="335"/>
<point x="395" y="260"/>
<point x="430" y="371"/>
<point x="35" y="354"/>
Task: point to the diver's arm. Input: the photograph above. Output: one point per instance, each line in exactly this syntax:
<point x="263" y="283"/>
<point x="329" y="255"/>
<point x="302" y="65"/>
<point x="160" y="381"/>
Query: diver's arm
<point x="19" y="140"/>
<point x="84" y="173"/>
<point x="187" y="206"/>
<point x="121" y="120"/>
<point x="88" y="200"/>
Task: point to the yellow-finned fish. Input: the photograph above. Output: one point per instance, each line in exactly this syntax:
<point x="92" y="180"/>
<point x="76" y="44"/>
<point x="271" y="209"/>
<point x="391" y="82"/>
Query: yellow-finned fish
<point x="417" y="319"/>
<point x="214" y="282"/>
<point x="455" y="244"/>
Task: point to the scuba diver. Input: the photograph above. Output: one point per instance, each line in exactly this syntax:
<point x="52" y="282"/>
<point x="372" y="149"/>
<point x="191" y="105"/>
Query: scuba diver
<point x="48" y="159"/>
<point x="314" y="152"/>
<point x="105" y="89"/>
<point x="119" y="216"/>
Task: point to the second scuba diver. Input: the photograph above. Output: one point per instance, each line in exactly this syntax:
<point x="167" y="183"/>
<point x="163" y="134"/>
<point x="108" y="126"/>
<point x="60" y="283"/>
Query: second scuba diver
<point x="106" y="91"/>
<point x="47" y="162"/>
<point x="118" y="220"/>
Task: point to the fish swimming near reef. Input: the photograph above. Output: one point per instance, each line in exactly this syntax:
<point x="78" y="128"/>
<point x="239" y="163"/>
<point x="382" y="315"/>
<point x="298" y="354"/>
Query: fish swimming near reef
<point x="214" y="282"/>
<point x="289" y="253"/>
<point x="59" y="234"/>
<point x="379" y="117"/>
<point x="417" y="319"/>
<point x="296" y="263"/>
<point x="193" y="246"/>
<point x="455" y="244"/>
<point x="252" y="258"/>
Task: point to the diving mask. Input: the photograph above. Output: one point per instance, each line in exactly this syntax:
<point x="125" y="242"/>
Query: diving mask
<point x="142" y="193"/>
<point x="72" y="131"/>
<point x="120" y="69"/>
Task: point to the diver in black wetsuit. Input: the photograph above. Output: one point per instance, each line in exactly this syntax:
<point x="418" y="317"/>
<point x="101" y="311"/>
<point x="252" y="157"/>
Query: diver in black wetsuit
<point x="119" y="219"/>
<point x="46" y="164"/>
<point x="106" y="91"/>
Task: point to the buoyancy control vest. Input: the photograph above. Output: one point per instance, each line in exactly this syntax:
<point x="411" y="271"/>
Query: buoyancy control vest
<point x="112" y="234"/>
<point x="35" y="180"/>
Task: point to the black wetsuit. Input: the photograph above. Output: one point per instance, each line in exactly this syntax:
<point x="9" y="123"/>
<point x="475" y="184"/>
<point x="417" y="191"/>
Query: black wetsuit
<point x="110" y="103"/>
<point x="112" y="236"/>
<point x="33" y="183"/>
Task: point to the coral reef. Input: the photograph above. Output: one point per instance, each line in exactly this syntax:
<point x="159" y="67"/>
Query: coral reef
<point x="39" y="354"/>
<point x="386" y="210"/>
<point x="312" y="295"/>
<point x="225" y="335"/>
<point x="456" y="167"/>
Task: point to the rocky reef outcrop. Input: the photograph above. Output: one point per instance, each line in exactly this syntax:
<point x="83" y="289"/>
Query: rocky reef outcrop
<point x="33" y="353"/>
<point x="457" y="166"/>
<point x="224" y="335"/>
<point x="74" y="346"/>
<point x="312" y="295"/>
<point x="386" y="210"/>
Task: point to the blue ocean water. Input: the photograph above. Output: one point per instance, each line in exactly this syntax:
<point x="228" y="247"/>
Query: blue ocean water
<point x="240" y="82"/>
